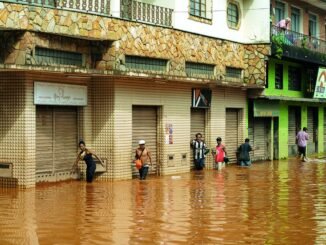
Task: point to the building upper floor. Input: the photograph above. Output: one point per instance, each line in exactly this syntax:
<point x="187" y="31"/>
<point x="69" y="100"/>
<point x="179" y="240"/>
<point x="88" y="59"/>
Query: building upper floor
<point x="298" y="30"/>
<point x="242" y="21"/>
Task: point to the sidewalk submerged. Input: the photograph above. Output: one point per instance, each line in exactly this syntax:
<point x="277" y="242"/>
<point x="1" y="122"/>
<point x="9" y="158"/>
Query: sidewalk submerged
<point x="267" y="203"/>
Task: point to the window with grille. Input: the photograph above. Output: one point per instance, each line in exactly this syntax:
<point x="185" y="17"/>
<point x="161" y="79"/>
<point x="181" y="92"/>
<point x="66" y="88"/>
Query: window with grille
<point x="279" y="76"/>
<point x="279" y="11"/>
<point x="145" y="63"/>
<point x="295" y="19"/>
<point x="294" y="78"/>
<point x="232" y="72"/>
<point x="233" y="15"/>
<point x="200" y="69"/>
<point x="198" y="8"/>
<point x="312" y="25"/>
<point x="45" y="56"/>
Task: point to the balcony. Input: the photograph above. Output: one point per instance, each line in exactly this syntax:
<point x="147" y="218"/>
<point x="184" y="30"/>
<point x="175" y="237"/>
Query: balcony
<point x="99" y="7"/>
<point x="298" y="46"/>
<point x="144" y="12"/>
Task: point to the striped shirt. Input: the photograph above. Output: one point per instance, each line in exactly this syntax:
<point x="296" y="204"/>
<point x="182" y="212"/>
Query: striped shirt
<point x="199" y="148"/>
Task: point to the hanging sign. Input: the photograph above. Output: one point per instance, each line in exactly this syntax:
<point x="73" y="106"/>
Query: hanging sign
<point x="320" y="91"/>
<point x="59" y="94"/>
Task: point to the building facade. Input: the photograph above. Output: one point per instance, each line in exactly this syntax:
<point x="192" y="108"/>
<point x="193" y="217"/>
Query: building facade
<point x="289" y="102"/>
<point x="114" y="72"/>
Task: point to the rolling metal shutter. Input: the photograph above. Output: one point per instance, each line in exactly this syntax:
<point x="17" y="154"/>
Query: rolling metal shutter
<point x="232" y="133"/>
<point x="261" y="139"/>
<point x="56" y="138"/>
<point x="312" y="125"/>
<point x="144" y="126"/>
<point x="65" y="137"/>
<point x="197" y="122"/>
<point x="197" y="126"/>
<point x="294" y="125"/>
<point x="44" y="139"/>
<point x="292" y="131"/>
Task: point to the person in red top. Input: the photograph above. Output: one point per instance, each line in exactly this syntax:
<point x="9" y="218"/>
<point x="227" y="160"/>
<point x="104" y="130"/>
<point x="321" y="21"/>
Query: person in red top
<point x="219" y="153"/>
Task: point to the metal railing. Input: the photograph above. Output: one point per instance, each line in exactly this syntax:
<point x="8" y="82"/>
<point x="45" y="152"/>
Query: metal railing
<point x="101" y="7"/>
<point x="282" y="36"/>
<point x="144" y="12"/>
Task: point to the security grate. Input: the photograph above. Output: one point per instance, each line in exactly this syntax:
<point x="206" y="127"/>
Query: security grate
<point x="145" y="64"/>
<point x="195" y="69"/>
<point x="44" y="56"/>
<point x="232" y="72"/>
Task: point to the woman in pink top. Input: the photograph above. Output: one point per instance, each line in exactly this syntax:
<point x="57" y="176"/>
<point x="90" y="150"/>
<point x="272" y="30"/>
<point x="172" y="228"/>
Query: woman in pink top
<point x="219" y="154"/>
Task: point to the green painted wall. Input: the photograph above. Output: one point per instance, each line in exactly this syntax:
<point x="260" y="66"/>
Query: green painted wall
<point x="283" y="131"/>
<point x="271" y="90"/>
<point x="284" y="105"/>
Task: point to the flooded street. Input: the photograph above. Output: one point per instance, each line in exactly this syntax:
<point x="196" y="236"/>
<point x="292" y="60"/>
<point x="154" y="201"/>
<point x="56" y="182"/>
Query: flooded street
<point x="268" y="203"/>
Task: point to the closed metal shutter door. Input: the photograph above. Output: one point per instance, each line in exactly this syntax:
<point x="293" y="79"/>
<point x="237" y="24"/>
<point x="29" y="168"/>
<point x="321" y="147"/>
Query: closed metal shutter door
<point x="232" y="133"/>
<point x="312" y="125"/>
<point x="56" y="138"/>
<point x="197" y="122"/>
<point x="260" y="139"/>
<point x="65" y="140"/>
<point x="144" y="126"/>
<point x="44" y="139"/>
<point x="292" y="126"/>
<point x="197" y="126"/>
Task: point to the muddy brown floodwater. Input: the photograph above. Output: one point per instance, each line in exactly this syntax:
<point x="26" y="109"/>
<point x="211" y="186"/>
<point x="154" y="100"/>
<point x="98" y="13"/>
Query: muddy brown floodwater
<point x="268" y="203"/>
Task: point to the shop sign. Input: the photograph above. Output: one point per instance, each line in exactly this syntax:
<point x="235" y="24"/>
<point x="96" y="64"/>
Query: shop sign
<point x="320" y="91"/>
<point x="201" y="98"/>
<point x="266" y="109"/>
<point x="59" y="94"/>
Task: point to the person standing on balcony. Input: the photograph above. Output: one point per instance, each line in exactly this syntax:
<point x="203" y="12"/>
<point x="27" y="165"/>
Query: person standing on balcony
<point x="302" y="138"/>
<point x="284" y="24"/>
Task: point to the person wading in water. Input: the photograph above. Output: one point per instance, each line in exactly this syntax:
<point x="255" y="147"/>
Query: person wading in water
<point x="87" y="155"/>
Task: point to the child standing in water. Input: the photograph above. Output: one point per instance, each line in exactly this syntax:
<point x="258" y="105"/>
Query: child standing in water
<point x="219" y="154"/>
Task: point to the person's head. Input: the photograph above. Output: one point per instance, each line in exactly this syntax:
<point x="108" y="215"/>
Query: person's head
<point x="218" y="140"/>
<point x="82" y="145"/>
<point x="287" y="20"/>
<point x="305" y="129"/>
<point x="142" y="144"/>
<point x="247" y="140"/>
<point x="199" y="136"/>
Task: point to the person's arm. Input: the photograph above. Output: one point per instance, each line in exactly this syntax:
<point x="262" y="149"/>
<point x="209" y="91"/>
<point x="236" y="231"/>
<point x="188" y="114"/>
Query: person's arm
<point x="224" y="149"/>
<point x="76" y="161"/>
<point x="307" y="136"/>
<point x="95" y="155"/>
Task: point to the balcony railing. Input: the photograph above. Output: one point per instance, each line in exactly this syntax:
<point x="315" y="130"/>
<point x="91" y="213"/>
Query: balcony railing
<point x="101" y="7"/>
<point x="282" y="37"/>
<point x="144" y="12"/>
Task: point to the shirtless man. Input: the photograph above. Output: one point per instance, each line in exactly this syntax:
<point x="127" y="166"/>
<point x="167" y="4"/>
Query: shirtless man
<point x="144" y="155"/>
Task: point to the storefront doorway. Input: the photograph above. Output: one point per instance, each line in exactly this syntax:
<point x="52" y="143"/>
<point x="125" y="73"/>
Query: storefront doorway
<point x="56" y="141"/>
<point x="144" y="127"/>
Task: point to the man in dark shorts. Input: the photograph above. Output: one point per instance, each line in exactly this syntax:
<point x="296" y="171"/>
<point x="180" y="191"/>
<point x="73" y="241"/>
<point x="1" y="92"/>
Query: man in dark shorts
<point x="302" y="138"/>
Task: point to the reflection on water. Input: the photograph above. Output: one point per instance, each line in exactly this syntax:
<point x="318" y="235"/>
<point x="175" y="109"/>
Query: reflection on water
<point x="268" y="203"/>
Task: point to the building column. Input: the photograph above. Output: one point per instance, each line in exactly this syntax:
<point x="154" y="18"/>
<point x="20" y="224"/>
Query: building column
<point x="320" y="129"/>
<point x="283" y="131"/>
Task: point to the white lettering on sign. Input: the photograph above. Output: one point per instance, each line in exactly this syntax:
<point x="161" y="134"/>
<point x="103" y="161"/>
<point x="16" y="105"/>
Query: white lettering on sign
<point x="59" y="94"/>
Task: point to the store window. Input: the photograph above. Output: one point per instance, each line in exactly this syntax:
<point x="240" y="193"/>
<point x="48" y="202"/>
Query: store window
<point x="294" y="78"/>
<point x="233" y="15"/>
<point x="200" y="69"/>
<point x="279" y="76"/>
